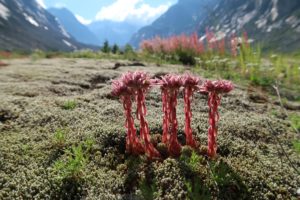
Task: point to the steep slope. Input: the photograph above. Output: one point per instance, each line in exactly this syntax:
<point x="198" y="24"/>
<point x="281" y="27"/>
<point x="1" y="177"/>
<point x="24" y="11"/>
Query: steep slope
<point x="115" y="32"/>
<point x="79" y="31"/>
<point x="25" y="25"/>
<point x="183" y="17"/>
<point x="275" y="24"/>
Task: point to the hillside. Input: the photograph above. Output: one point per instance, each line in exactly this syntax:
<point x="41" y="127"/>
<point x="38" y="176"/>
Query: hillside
<point x="79" y="31"/>
<point x="25" y="25"/>
<point x="274" y="24"/>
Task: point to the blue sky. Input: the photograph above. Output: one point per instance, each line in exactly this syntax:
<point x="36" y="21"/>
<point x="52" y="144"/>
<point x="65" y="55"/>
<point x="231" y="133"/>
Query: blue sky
<point x="141" y="11"/>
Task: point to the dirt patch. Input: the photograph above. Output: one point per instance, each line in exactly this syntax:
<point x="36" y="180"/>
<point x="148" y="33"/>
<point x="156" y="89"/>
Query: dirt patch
<point x="7" y="115"/>
<point x="26" y="94"/>
<point x="133" y="64"/>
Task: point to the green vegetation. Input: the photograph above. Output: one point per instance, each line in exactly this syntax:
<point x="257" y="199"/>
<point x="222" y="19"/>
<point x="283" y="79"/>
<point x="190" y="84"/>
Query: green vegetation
<point x="249" y="65"/>
<point x="60" y="138"/>
<point x="193" y="161"/>
<point x="115" y="49"/>
<point x="105" y="47"/>
<point x="296" y="145"/>
<point x="148" y="190"/>
<point x="73" y="165"/>
<point x="247" y="149"/>
<point x="69" y="105"/>
<point x="295" y="120"/>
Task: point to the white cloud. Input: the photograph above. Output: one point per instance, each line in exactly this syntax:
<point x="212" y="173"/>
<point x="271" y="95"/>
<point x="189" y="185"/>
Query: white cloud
<point x="41" y="3"/>
<point x="136" y="10"/>
<point x="83" y="20"/>
<point x="60" y="5"/>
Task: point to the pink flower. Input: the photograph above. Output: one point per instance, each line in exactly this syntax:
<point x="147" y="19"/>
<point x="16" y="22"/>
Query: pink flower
<point x="170" y="85"/>
<point x="137" y="84"/>
<point x="190" y="84"/>
<point x="133" y="144"/>
<point x="214" y="90"/>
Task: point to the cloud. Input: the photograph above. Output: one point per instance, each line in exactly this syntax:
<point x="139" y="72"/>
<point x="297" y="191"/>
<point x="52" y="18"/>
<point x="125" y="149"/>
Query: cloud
<point x="41" y="3"/>
<point x="83" y="20"/>
<point x="60" y="5"/>
<point x="131" y="10"/>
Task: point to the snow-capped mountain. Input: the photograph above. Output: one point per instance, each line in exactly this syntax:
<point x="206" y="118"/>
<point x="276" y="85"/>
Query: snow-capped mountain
<point x="25" y="25"/>
<point x="275" y="24"/>
<point x="79" y="31"/>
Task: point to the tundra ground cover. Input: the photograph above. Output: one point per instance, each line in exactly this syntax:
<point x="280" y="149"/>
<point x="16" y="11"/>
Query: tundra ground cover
<point x="251" y="164"/>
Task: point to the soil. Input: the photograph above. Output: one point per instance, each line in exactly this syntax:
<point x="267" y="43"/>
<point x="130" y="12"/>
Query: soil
<point x="253" y="161"/>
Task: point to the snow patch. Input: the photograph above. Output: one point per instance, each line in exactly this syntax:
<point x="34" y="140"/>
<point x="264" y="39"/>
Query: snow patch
<point x="274" y="10"/>
<point x="4" y="12"/>
<point x="293" y="21"/>
<point x="67" y="43"/>
<point x="31" y="20"/>
<point x="63" y="31"/>
<point x="244" y="20"/>
<point x="46" y="28"/>
<point x="261" y="23"/>
<point x="202" y="38"/>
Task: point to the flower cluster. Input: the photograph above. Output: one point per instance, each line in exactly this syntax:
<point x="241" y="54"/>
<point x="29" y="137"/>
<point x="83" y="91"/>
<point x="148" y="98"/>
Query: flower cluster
<point x="133" y="86"/>
<point x="210" y="42"/>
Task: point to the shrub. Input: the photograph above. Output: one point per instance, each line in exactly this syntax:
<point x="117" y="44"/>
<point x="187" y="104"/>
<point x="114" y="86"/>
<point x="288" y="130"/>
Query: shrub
<point x="60" y="138"/>
<point x="72" y="167"/>
<point x="69" y="105"/>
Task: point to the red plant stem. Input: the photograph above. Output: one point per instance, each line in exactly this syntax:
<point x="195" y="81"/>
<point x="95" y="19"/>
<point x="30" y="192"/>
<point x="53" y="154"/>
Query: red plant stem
<point x="144" y="128"/>
<point x="166" y="120"/>
<point x="188" y="92"/>
<point x="213" y="103"/>
<point x="133" y="144"/>
<point x="174" y="146"/>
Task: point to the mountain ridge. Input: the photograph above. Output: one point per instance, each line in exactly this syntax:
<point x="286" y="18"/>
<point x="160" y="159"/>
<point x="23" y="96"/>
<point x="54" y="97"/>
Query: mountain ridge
<point x="274" y="24"/>
<point x="79" y="31"/>
<point x="25" y="25"/>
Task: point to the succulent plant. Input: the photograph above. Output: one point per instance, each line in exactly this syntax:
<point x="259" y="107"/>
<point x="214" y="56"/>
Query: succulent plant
<point x="190" y="84"/>
<point x="215" y="89"/>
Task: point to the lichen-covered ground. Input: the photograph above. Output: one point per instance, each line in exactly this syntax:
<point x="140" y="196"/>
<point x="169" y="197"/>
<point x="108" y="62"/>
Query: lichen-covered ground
<point x="40" y="98"/>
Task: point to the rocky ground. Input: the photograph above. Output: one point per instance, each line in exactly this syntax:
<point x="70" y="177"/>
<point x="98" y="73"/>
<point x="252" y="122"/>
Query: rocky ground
<point x="38" y="99"/>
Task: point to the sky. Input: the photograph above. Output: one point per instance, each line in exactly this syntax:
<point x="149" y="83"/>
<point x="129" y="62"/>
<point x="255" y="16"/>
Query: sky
<point x="138" y="11"/>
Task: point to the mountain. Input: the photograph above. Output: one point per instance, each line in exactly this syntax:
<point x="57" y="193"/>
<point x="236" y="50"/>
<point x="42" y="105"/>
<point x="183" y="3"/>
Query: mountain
<point x="79" y="31"/>
<point x="275" y="24"/>
<point x="25" y="25"/>
<point x="183" y="17"/>
<point x="115" y="32"/>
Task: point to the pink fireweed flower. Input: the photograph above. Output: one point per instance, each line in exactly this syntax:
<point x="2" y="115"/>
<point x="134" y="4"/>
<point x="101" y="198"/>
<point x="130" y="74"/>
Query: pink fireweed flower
<point x="133" y="144"/>
<point x="140" y="83"/>
<point x="170" y="85"/>
<point x="214" y="89"/>
<point x="190" y="84"/>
